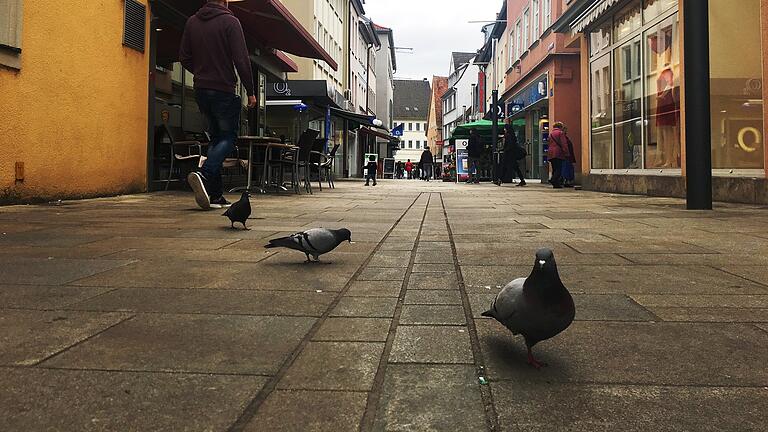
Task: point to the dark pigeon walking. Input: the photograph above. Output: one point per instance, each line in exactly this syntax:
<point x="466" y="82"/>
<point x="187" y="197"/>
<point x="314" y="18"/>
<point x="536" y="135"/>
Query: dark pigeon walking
<point x="537" y="307"/>
<point x="315" y="242"/>
<point x="239" y="211"/>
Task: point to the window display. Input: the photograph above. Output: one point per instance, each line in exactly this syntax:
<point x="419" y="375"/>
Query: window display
<point x="601" y="117"/>
<point x="627" y="84"/>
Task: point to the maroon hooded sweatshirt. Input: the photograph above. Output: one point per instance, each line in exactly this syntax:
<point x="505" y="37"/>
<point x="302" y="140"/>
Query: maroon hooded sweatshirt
<point x="213" y="41"/>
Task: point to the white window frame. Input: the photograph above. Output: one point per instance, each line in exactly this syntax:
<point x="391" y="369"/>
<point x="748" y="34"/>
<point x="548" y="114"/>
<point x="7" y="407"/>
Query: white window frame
<point x="526" y="28"/>
<point x="11" y="17"/>
<point x="535" y="27"/>
<point x="547" y="15"/>
<point x="511" y="47"/>
<point x="518" y="39"/>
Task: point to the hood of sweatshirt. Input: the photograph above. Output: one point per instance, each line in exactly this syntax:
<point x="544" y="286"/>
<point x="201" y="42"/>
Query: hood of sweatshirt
<point x="212" y="10"/>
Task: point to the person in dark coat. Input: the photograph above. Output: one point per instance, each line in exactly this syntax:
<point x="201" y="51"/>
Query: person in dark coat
<point x="426" y="164"/>
<point x="474" y="152"/>
<point x="514" y="152"/>
<point x="558" y="153"/>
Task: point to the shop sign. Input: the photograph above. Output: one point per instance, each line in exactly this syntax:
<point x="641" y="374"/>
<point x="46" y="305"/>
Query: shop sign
<point x="535" y="92"/>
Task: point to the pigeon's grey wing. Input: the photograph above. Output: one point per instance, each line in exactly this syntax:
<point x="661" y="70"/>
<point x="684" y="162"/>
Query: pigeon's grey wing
<point x="295" y="241"/>
<point x="512" y="309"/>
<point x="320" y="240"/>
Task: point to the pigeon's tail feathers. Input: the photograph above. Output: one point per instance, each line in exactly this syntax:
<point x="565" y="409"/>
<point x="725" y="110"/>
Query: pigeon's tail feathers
<point x="286" y="242"/>
<point x="226" y="213"/>
<point x="489" y="314"/>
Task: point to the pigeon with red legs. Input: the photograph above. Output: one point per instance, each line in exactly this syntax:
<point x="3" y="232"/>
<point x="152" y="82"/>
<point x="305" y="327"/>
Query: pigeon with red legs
<point x="537" y="307"/>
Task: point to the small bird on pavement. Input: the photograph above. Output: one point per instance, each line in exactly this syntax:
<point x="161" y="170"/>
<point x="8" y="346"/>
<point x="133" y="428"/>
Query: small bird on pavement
<point x="315" y="242"/>
<point x="537" y="307"/>
<point x="239" y="211"/>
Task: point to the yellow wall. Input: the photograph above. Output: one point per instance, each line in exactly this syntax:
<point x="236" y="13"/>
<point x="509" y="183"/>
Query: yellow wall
<point x="76" y="112"/>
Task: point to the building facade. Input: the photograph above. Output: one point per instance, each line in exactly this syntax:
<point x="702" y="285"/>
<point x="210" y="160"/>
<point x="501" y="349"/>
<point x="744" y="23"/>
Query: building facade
<point x="434" y="128"/>
<point x="633" y="96"/>
<point x="458" y="100"/>
<point x="541" y="78"/>
<point x="411" y="104"/>
<point x="386" y="66"/>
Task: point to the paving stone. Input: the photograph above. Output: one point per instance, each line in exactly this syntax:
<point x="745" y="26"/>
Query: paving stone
<point x="424" y="256"/>
<point x="375" y="289"/>
<point x="334" y="366"/>
<point x="430" y="397"/>
<point x="204" y="255"/>
<point x="710" y="259"/>
<point x="35" y="399"/>
<point x="433" y="297"/>
<point x="596" y="408"/>
<point x="433" y="268"/>
<point x="702" y="301"/>
<point x="593" y="247"/>
<point x="164" y="243"/>
<point x="431" y="344"/>
<point x="710" y="314"/>
<point x="638" y="353"/>
<point x="382" y="274"/>
<point x="397" y="245"/>
<point x="191" y="343"/>
<point x="38" y="271"/>
<point x="354" y="330"/>
<point x="331" y="411"/>
<point x="430" y="281"/>
<point x="758" y="274"/>
<point x="44" y="296"/>
<point x="515" y="253"/>
<point x="29" y="337"/>
<point x="387" y="258"/>
<point x="621" y="280"/>
<point x="609" y="307"/>
<point x="432" y="315"/>
<point x="365" y="307"/>
<point x="238" y="302"/>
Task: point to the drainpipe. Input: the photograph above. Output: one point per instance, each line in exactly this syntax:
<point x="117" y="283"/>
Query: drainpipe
<point x="698" y="121"/>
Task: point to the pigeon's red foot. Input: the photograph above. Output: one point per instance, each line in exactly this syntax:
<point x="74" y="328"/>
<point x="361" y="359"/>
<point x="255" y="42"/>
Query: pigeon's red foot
<point x="533" y="362"/>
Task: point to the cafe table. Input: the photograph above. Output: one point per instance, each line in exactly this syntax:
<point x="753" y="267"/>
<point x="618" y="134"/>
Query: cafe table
<point x="267" y="143"/>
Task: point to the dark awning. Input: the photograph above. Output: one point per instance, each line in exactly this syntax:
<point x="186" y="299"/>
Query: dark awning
<point x="377" y="133"/>
<point x="363" y="119"/>
<point x="267" y="24"/>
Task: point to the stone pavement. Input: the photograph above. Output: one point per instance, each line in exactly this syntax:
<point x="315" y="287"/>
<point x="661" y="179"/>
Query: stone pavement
<point x="141" y="313"/>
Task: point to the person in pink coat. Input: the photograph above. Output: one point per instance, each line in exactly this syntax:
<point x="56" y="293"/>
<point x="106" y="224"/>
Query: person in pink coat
<point x="558" y="153"/>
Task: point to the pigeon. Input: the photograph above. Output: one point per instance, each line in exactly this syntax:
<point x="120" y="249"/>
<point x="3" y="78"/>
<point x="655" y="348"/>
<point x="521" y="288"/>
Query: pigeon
<point x="537" y="307"/>
<point x="315" y="242"/>
<point x="239" y="211"/>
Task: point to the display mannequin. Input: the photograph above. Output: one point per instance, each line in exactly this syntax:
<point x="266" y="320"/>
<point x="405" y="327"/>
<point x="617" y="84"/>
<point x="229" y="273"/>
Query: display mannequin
<point x="667" y="111"/>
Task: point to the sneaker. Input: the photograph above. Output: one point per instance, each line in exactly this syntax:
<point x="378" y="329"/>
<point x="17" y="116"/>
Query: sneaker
<point x="367" y="184"/>
<point x="220" y="202"/>
<point x="197" y="183"/>
<point x="521" y="184"/>
<point x="374" y="183"/>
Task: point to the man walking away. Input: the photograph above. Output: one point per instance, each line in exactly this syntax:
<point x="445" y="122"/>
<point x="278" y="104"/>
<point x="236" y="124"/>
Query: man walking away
<point x="557" y="154"/>
<point x="371" y="168"/>
<point x="474" y="151"/>
<point x="426" y="164"/>
<point x="513" y="154"/>
<point x="212" y="46"/>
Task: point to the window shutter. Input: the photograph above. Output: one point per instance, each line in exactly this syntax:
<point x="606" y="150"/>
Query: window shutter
<point x="135" y="26"/>
<point x="10" y="25"/>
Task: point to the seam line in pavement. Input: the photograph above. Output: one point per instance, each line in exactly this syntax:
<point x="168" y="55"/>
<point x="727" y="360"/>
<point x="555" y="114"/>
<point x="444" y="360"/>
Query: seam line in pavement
<point x="491" y="417"/>
<point x="253" y="406"/>
<point x="81" y="341"/>
<point x="374" y="397"/>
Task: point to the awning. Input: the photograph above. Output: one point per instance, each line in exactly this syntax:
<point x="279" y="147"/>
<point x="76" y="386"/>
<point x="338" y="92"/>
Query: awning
<point x="362" y="119"/>
<point x="377" y="133"/>
<point x="285" y="63"/>
<point x="581" y="14"/>
<point x="267" y="25"/>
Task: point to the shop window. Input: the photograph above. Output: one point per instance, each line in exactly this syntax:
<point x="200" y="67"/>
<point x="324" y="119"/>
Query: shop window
<point x="655" y="8"/>
<point x="736" y="85"/>
<point x="662" y="95"/>
<point x="600" y="39"/>
<point x="628" y="146"/>
<point x="535" y="22"/>
<point x="627" y="21"/>
<point x="518" y="40"/>
<point x="547" y="13"/>
<point x="526" y="29"/>
<point x="10" y="33"/>
<point x="601" y="114"/>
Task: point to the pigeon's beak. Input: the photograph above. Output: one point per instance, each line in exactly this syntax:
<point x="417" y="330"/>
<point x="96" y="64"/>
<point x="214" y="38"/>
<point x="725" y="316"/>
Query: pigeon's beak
<point x="541" y="263"/>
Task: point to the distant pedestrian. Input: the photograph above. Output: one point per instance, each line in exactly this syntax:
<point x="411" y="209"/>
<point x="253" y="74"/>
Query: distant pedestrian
<point x="474" y="152"/>
<point x="212" y="47"/>
<point x="558" y="153"/>
<point x="569" y="169"/>
<point x="371" y="169"/>
<point x="408" y="168"/>
<point x="514" y="152"/>
<point x="426" y="164"/>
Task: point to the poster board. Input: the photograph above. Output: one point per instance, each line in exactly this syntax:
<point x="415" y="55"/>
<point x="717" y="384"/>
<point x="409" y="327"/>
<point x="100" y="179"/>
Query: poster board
<point x="462" y="160"/>
<point x="389" y="168"/>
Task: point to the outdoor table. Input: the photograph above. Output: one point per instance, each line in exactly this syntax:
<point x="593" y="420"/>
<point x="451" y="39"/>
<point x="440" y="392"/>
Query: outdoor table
<point x="259" y="141"/>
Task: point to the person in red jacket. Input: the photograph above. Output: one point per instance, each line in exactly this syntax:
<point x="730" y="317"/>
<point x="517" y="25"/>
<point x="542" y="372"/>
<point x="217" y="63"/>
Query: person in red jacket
<point x="409" y="168"/>
<point x="558" y="153"/>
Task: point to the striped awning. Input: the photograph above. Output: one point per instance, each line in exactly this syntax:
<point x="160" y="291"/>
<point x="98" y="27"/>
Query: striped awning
<point x="590" y="15"/>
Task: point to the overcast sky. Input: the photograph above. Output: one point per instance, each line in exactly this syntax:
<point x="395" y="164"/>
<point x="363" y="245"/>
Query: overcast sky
<point x="433" y="28"/>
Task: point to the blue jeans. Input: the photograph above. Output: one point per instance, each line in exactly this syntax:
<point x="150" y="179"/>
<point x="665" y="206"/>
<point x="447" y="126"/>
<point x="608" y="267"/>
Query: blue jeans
<point x="222" y="112"/>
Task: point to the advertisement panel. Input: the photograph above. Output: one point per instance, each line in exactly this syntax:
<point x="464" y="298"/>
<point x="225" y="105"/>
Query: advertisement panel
<point x="462" y="160"/>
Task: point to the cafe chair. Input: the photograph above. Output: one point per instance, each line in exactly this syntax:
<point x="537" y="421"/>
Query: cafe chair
<point x="182" y="150"/>
<point x="324" y="166"/>
<point x="297" y="161"/>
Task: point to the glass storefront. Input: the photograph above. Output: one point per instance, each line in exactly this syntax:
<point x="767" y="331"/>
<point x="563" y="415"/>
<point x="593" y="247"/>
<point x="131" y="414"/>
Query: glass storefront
<point x="636" y="73"/>
<point x="736" y="84"/>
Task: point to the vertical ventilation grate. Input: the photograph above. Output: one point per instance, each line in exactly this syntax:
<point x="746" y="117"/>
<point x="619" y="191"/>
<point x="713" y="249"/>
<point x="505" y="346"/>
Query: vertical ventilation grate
<point x="135" y="26"/>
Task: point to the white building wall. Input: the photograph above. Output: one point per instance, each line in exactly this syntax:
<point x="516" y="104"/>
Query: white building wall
<point x="463" y="99"/>
<point x="329" y="32"/>
<point x="414" y="141"/>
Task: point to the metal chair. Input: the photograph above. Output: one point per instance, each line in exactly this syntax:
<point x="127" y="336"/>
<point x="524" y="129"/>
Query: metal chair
<point x="298" y="160"/>
<point x="325" y="166"/>
<point x="178" y="140"/>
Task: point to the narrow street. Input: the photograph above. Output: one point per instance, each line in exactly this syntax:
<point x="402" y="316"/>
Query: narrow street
<point x="142" y="313"/>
